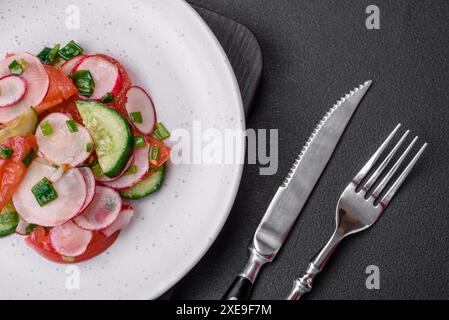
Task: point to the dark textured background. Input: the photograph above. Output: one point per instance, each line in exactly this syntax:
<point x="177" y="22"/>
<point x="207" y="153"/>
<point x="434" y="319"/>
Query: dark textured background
<point x="313" y="52"/>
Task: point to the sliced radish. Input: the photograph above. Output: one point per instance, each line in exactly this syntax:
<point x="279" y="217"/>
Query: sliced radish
<point x="137" y="100"/>
<point x="123" y="219"/>
<point x="106" y="75"/>
<point x="103" y="178"/>
<point x="142" y="166"/>
<point x="22" y="227"/>
<point x="71" y="190"/>
<point x="12" y="89"/>
<point x="63" y="146"/>
<point x="103" y="210"/>
<point x="89" y="179"/>
<point x="37" y="84"/>
<point x="69" y="64"/>
<point x="69" y="240"/>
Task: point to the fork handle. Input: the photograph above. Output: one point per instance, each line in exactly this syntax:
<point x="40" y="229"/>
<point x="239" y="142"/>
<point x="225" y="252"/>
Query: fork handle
<point x="304" y="284"/>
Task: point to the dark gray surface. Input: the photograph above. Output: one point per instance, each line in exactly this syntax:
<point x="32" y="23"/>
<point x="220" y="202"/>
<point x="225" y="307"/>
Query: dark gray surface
<point x="313" y="52"/>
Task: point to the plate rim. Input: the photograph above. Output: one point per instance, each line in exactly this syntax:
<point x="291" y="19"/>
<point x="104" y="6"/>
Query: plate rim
<point x="242" y="124"/>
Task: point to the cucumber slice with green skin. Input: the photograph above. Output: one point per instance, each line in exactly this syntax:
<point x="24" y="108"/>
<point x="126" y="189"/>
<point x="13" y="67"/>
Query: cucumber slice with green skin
<point x="9" y="219"/>
<point x="111" y="133"/>
<point x="147" y="186"/>
<point x="23" y="125"/>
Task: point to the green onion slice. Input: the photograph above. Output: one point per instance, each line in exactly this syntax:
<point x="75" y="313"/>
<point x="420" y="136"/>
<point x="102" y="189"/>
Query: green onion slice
<point x="136" y="117"/>
<point x="84" y="82"/>
<point x="155" y="153"/>
<point x="5" y="153"/>
<point x="108" y="98"/>
<point x="161" y="132"/>
<point x="44" y="192"/>
<point x="15" y="68"/>
<point x="71" y="124"/>
<point x="29" y="158"/>
<point x="132" y="170"/>
<point x="139" y="142"/>
<point x="72" y="49"/>
<point x="46" y="128"/>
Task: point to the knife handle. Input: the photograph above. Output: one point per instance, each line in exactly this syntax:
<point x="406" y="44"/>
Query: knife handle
<point x="242" y="286"/>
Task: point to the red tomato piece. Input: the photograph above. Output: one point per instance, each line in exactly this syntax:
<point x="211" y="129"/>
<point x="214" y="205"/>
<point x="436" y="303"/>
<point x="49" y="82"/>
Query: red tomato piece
<point x="61" y="88"/>
<point x="13" y="170"/>
<point x="40" y="241"/>
<point x="165" y="151"/>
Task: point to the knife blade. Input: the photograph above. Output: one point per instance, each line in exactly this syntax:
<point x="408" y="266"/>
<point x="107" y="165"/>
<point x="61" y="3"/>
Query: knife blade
<point x="292" y="195"/>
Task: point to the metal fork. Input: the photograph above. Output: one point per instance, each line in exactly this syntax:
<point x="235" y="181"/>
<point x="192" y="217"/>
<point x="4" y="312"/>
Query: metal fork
<point x="357" y="210"/>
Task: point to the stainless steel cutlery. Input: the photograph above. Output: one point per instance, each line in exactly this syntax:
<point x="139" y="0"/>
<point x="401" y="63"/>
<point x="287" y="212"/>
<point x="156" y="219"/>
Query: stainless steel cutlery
<point x="361" y="204"/>
<point x="292" y="195"/>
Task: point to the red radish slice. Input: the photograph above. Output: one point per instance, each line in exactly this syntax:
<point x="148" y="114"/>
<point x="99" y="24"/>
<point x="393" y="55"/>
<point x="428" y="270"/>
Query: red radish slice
<point x="142" y="166"/>
<point x="12" y="89"/>
<point x="69" y="240"/>
<point x="103" y="210"/>
<point x="37" y="85"/>
<point x="105" y="74"/>
<point x="137" y="100"/>
<point x="22" y="227"/>
<point x="89" y="179"/>
<point x="71" y="190"/>
<point x="69" y="64"/>
<point x="107" y="179"/>
<point x="63" y="146"/>
<point x="123" y="219"/>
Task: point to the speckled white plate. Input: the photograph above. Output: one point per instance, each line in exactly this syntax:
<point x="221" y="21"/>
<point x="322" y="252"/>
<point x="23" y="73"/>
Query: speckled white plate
<point x="169" y="50"/>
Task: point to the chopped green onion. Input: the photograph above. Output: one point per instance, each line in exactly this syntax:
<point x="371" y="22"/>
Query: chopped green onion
<point x="68" y="259"/>
<point x="30" y="228"/>
<point x="132" y="170"/>
<point x="161" y="132"/>
<point x="5" y="153"/>
<point x="46" y="128"/>
<point x="84" y="82"/>
<point x="43" y="54"/>
<point x="52" y="54"/>
<point x="15" y="68"/>
<point x="44" y="192"/>
<point x="136" y="117"/>
<point x="72" y="49"/>
<point x="154" y="154"/>
<point x="97" y="171"/>
<point x="23" y="63"/>
<point x="71" y="124"/>
<point x="29" y="158"/>
<point x="139" y="142"/>
<point x="89" y="147"/>
<point x="48" y="55"/>
<point x="108" y="98"/>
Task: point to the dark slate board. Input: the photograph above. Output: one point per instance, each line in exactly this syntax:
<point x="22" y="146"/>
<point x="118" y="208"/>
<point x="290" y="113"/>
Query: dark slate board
<point x="313" y="52"/>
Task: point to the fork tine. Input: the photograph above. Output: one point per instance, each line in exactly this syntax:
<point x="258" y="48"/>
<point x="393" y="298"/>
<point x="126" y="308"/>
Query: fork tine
<point x="384" y="164"/>
<point x="361" y="175"/>
<point x="391" y="193"/>
<point x="393" y="170"/>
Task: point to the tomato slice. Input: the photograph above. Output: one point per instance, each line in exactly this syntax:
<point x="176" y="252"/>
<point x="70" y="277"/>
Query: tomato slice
<point x="13" y="170"/>
<point x="40" y="241"/>
<point x="61" y="88"/>
<point x="165" y="151"/>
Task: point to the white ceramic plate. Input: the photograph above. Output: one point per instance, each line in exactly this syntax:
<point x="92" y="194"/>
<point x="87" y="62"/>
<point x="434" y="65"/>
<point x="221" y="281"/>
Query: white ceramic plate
<point x="168" y="50"/>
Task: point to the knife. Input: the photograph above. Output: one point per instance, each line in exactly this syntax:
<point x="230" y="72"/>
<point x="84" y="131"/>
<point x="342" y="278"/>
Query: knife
<point x="292" y="195"/>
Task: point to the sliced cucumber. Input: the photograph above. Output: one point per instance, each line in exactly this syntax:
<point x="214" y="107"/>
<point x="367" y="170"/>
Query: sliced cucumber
<point x="111" y="134"/>
<point x="9" y="219"/>
<point x="23" y="125"/>
<point x="147" y="186"/>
